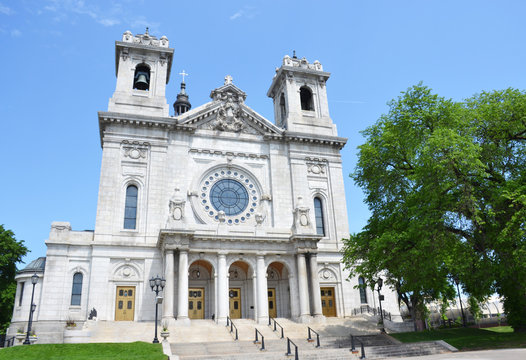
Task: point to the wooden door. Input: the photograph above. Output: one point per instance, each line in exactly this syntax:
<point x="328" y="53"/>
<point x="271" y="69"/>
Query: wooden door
<point x="272" y="311"/>
<point x="328" y="304"/>
<point x="125" y="303"/>
<point x="196" y="303"/>
<point x="235" y="303"/>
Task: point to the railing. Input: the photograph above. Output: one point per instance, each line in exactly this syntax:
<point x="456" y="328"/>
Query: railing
<point x="232" y="326"/>
<point x="5" y="341"/>
<point x="256" y="341"/>
<point x="295" y="349"/>
<point x="309" y="339"/>
<point x="369" y="310"/>
<point x="353" y="349"/>
<point x="270" y="320"/>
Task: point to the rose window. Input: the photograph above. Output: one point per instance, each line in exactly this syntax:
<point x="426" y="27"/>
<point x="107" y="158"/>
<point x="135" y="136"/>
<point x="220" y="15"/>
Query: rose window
<point x="232" y="192"/>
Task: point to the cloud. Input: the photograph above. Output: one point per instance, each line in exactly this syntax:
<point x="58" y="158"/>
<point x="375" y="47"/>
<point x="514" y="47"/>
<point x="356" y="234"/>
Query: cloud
<point x="6" y="10"/>
<point x="105" y="17"/>
<point x="236" y="15"/>
<point x="246" y="12"/>
<point x="16" y="33"/>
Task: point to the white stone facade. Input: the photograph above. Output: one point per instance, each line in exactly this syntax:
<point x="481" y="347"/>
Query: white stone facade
<point x="264" y="238"/>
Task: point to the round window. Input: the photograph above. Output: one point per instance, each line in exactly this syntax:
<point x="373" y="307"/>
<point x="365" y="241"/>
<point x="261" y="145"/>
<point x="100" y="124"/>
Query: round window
<point x="229" y="196"/>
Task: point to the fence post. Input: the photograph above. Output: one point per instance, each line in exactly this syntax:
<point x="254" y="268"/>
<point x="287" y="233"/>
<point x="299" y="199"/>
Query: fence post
<point x="317" y="340"/>
<point x="352" y="343"/>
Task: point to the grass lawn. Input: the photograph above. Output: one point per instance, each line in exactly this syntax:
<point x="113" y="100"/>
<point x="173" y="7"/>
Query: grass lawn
<point x="113" y="351"/>
<point x="469" y="338"/>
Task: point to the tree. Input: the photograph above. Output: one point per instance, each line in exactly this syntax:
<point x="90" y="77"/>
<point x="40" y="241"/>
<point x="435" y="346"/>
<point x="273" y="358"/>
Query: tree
<point x="11" y="252"/>
<point x="445" y="184"/>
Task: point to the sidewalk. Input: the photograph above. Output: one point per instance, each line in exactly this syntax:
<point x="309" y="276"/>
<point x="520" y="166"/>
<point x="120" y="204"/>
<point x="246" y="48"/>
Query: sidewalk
<point x="504" y="354"/>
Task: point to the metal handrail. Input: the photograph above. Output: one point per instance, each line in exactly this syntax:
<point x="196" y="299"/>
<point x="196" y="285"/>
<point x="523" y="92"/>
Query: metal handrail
<point x="374" y="311"/>
<point x="230" y="323"/>
<point x="361" y="345"/>
<point x="262" y="340"/>
<point x="295" y="350"/>
<point x="275" y="323"/>
<point x="317" y="337"/>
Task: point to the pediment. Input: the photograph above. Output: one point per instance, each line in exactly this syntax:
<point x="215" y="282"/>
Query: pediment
<point x="227" y="112"/>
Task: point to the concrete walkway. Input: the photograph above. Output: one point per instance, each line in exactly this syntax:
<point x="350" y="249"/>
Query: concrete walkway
<point x="505" y="354"/>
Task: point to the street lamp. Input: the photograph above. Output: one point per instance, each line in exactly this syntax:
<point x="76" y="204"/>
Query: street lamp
<point x="380" y="283"/>
<point x="34" y="280"/>
<point x="156" y="282"/>
<point x="461" y="308"/>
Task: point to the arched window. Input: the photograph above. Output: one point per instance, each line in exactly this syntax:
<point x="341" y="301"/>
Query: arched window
<point x="76" y="290"/>
<point x="282" y="109"/>
<point x="306" y="98"/>
<point x="130" y="210"/>
<point x="141" y="79"/>
<point x="363" y="294"/>
<point x="318" y="214"/>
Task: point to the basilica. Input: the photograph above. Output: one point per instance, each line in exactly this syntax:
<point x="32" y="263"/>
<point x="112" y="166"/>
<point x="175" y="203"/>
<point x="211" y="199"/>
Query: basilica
<point x="240" y="216"/>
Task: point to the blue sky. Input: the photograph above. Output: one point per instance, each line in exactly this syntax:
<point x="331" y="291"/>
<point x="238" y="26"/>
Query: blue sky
<point x="58" y="70"/>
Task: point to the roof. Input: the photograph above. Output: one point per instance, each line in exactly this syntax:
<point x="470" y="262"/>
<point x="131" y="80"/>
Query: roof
<point x="37" y="265"/>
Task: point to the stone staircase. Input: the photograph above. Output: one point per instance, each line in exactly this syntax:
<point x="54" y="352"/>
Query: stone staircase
<point x="335" y="341"/>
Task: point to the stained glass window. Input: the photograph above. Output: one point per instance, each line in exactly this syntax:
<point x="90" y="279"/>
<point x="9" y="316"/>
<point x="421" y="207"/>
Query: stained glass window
<point x="230" y="196"/>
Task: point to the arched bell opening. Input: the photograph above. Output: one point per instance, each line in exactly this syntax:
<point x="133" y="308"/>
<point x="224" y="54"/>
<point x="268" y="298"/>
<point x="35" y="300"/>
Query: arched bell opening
<point x="201" y="291"/>
<point x="141" y="78"/>
<point x="241" y="291"/>
<point x="306" y="98"/>
<point x="278" y="290"/>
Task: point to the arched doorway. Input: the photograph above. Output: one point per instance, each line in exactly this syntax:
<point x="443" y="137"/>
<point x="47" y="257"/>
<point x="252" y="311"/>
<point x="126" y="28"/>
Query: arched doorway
<point x="278" y="290"/>
<point x="241" y="290"/>
<point x="201" y="290"/>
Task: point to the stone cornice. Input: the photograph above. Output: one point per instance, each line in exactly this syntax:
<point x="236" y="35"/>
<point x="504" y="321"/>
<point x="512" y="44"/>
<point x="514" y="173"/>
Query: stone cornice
<point x="167" y="123"/>
<point x="170" y="124"/>
<point x="336" y="141"/>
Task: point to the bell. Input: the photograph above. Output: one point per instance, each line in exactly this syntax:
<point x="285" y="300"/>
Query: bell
<point x="141" y="81"/>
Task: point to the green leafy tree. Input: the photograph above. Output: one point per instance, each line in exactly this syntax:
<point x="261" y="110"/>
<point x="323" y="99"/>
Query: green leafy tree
<point x="11" y="252"/>
<point x="445" y="184"/>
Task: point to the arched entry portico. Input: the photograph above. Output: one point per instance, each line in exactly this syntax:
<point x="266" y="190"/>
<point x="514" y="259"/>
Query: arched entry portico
<point x="278" y="290"/>
<point x="201" y="290"/>
<point x="241" y="294"/>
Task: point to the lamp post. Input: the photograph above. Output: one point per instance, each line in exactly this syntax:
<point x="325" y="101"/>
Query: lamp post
<point x="380" y="283"/>
<point x="156" y="283"/>
<point x="461" y="308"/>
<point x="34" y="280"/>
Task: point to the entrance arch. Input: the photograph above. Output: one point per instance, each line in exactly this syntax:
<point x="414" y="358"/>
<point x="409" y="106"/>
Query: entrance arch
<point x="278" y="290"/>
<point x="241" y="290"/>
<point x="201" y="290"/>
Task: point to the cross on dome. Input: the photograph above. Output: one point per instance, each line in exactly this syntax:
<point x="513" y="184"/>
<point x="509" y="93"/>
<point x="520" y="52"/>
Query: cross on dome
<point x="183" y="73"/>
<point x="228" y="79"/>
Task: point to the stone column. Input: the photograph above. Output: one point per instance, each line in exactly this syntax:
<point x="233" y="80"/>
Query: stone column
<point x="262" y="297"/>
<point x="168" y="303"/>
<point x="303" y="289"/>
<point x="182" y="299"/>
<point x="222" y="289"/>
<point x="315" y="286"/>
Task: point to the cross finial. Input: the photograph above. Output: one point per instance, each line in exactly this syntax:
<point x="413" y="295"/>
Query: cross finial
<point x="228" y="79"/>
<point x="183" y="74"/>
<point x="147" y="30"/>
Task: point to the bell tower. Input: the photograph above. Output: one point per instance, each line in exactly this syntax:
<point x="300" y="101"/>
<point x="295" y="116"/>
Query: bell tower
<point x="142" y="66"/>
<point x="300" y="97"/>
